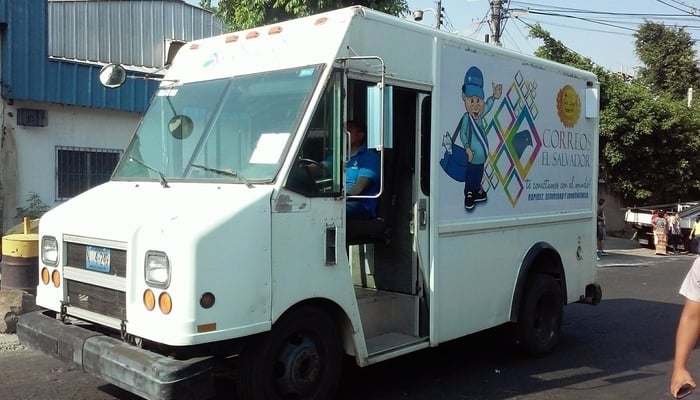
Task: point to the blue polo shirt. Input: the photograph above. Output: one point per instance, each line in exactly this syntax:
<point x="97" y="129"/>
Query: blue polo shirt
<point x="364" y="163"/>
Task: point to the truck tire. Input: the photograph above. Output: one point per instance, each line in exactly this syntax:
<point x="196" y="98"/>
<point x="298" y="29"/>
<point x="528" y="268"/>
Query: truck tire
<point x="301" y="358"/>
<point x="539" y="322"/>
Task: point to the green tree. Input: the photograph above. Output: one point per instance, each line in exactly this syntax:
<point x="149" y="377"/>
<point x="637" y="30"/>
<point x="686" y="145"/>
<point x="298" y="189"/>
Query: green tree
<point x="648" y="138"/>
<point x="649" y="144"/>
<point x="240" y="14"/>
<point x="555" y="50"/>
<point x="668" y="57"/>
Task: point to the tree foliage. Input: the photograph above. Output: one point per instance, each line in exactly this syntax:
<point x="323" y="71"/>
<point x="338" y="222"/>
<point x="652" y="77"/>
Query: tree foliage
<point x="556" y="51"/>
<point x="668" y="57"/>
<point x="649" y="144"/>
<point x="649" y="138"/>
<point x="240" y="14"/>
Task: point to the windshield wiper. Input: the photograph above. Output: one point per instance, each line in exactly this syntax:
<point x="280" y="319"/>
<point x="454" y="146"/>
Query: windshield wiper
<point x="227" y="172"/>
<point x="163" y="182"/>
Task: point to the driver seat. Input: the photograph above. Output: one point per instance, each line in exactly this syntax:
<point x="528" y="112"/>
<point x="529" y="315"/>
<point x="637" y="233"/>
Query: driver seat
<point x="378" y="229"/>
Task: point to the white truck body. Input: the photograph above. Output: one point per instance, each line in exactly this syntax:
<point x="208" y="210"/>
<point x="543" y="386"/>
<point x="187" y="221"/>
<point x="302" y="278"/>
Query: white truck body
<point x="208" y="216"/>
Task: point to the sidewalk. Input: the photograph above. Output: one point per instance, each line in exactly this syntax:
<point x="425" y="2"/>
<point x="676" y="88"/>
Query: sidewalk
<point x="9" y="342"/>
<point x="627" y="252"/>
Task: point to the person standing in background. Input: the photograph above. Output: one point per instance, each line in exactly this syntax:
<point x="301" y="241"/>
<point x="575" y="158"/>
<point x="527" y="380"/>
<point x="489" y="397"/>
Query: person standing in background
<point x="654" y="216"/>
<point x="601" y="234"/>
<point x="694" y="236"/>
<point x="674" y="231"/>
<point x="660" y="229"/>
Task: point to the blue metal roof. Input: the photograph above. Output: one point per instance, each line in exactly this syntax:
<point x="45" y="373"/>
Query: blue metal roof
<point x="106" y="30"/>
<point x="29" y="74"/>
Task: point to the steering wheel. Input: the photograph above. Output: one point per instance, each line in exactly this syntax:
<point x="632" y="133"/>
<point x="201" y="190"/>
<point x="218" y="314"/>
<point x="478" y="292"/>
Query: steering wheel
<point x="301" y="178"/>
<point x="307" y="161"/>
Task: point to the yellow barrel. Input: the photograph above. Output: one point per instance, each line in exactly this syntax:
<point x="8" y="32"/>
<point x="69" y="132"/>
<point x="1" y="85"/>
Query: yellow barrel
<point x="19" y="268"/>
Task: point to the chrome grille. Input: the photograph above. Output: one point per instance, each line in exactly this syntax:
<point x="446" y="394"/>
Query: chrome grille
<point x="101" y="300"/>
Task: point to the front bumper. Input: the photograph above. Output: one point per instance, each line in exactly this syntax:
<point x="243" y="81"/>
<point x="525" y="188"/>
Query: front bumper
<point x="145" y="373"/>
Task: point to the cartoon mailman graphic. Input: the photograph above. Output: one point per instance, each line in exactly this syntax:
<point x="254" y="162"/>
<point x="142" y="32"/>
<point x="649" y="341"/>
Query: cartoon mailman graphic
<point x="466" y="164"/>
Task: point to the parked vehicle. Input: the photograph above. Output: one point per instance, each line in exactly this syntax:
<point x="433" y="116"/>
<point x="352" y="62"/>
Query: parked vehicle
<point x="211" y="245"/>
<point x="640" y="219"/>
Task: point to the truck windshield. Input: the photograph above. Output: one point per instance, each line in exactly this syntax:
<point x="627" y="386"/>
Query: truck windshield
<point x="235" y="129"/>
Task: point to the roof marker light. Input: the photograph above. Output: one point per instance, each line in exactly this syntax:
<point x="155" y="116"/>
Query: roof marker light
<point x="274" y="30"/>
<point x="252" y="35"/>
<point x="231" y="38"/>
<point x="321" y="21"/>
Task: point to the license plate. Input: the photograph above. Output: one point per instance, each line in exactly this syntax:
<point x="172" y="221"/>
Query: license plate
<point x="97" y="258"/>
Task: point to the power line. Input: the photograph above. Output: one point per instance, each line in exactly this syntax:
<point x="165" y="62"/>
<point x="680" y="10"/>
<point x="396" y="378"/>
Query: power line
<point x="448" y="22"/>
<point x="481" y="24"/>
<point x="547" y="23"/>
<point x="674" y="7"/>
<point x="506" y="33"/>
<point x="582" y="19"/>
<point x="615" y="23"/>
<point x="600" y="16"/>
<point x="565" y="46"/>
<point x="686" y="16"/>
<point x="693" y="9"/>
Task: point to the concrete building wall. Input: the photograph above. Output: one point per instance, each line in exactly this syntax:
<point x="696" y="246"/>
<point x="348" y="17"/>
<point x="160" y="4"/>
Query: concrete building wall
<point x="614" y="211"/>
<point x="68" y="126"/>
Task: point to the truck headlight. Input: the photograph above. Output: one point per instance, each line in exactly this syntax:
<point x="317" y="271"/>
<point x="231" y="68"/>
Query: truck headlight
<point x="157" y="269"/>
<point x="49" y="251"/>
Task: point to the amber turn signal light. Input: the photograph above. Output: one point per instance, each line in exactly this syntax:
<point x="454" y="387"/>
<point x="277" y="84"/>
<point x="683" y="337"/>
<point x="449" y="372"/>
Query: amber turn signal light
<point x="149" y="300"/>
<point x="56" y="278"/>
<point x="45" y="276"/>
<point x="165" y="303"/>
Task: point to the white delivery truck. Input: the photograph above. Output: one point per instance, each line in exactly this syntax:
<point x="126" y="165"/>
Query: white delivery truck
<point x="212" y="244"/>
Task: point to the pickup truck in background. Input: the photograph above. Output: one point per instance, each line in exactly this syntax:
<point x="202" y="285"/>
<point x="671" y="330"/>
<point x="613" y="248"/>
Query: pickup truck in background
<point x="639" y="218"/>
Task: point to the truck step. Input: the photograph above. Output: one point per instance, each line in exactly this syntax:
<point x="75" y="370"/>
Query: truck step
<point x="392" y="344"/>
<point x="383" y="312"/>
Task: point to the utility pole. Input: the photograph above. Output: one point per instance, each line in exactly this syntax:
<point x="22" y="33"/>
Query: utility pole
<point x="438" y="14"/>
<point x="496" y="18"/>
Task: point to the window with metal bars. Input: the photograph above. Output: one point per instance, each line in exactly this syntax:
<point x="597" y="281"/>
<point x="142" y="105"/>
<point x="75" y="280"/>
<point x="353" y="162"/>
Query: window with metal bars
<point x="79" y="169"/>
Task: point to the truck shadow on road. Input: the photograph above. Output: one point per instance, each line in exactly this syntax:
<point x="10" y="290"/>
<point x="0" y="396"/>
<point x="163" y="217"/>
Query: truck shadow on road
<point x="616" y="347"/>
<point x="621" y="346"/>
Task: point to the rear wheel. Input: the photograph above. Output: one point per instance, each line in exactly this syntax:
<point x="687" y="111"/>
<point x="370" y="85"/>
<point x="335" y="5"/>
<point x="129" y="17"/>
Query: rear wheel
<point x="299" y="359"/>
<point x="541" y="314"/>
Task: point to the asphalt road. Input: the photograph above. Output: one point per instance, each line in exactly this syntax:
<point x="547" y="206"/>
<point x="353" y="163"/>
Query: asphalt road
<point x="620" y="349"/>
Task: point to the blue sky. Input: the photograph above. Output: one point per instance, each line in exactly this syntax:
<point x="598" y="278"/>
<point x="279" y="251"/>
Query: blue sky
<point x="605" y="34"/>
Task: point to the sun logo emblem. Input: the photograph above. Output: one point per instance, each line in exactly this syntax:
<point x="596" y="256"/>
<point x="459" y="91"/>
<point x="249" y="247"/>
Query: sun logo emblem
<point x="568" y="106"/>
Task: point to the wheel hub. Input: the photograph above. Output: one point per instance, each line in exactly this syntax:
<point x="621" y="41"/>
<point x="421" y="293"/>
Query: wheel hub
<point x="298" y="366"/>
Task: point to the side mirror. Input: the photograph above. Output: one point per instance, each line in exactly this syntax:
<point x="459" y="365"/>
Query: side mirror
<point x="380" y="116"/>
<point x="180" y="126"/>
<point x="112" y="76"/>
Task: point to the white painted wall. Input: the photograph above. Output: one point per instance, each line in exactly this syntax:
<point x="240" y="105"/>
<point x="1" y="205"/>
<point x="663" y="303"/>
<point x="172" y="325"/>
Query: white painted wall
<point x="67" y="126"/>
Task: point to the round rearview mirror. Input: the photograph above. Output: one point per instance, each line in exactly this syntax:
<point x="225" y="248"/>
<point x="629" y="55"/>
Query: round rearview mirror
<point x="112" y="76"/>
<point x="180" y="126"/>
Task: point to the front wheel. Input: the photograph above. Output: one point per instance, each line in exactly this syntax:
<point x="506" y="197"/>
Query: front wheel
<point x="299" y="359"/>
<point x="541" y="314"/>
